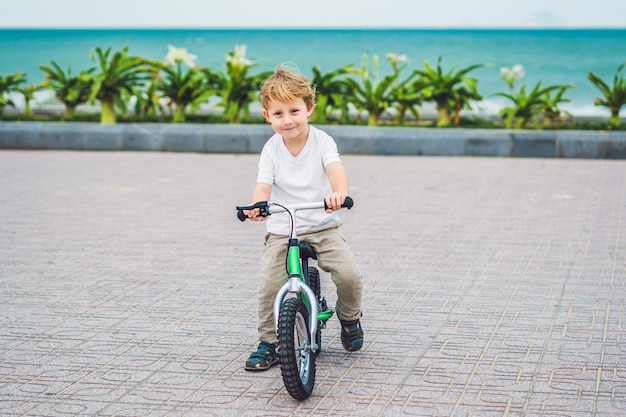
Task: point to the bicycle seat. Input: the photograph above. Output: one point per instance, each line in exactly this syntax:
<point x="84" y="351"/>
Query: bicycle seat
<point x="307" y="251"/>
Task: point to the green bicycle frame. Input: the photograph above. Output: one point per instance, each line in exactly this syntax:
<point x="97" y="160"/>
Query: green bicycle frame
<point x="295" y="268"/>
<point x="293" y="259"/>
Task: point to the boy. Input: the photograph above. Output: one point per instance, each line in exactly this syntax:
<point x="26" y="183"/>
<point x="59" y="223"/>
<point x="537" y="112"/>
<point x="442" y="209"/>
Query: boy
<point x="300" y="163"/>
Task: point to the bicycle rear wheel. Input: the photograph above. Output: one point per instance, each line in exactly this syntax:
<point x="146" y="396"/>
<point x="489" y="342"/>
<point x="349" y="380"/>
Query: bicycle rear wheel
<point x="297" y="363"/>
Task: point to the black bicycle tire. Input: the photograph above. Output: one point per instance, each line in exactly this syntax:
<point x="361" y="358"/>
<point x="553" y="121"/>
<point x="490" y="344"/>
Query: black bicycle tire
<point x="294" y="317"/>
<point x="316" y="286"/>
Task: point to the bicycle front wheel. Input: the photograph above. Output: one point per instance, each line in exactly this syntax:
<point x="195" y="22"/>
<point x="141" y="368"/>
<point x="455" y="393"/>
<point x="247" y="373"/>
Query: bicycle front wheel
<point x="297" y="362"/>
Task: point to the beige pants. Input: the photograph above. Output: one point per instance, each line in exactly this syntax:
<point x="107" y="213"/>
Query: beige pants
<point x="333" y="256"/>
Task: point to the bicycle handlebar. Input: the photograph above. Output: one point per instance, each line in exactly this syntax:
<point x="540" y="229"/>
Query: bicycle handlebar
<point x="267" y="208"/>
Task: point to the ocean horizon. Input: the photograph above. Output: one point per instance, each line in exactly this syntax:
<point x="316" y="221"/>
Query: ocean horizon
<point x="551" y="56"/>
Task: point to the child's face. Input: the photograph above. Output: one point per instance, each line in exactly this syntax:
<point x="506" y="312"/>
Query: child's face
<point x="290" y="120"/>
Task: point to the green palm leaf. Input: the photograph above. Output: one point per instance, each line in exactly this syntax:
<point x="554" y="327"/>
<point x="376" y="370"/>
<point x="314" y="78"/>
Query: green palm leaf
<point x="119" y="76"/>
<point x="70" y="90"/>
<point x="9" y="84"/>
<point x="451" y="91"/>
<point x="614" y="98"/>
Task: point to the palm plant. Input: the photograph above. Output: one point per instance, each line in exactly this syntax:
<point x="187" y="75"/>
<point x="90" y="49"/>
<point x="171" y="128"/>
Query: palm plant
<point x="551" y="103"/>
<point x="236" y="88"/>
<point x="407" y="96"/>
<point x="539" y="102"/>
<point x="463" y="98"/>
<point x="372" y="94"/>
<point x="331" y="94"/>
<point x="148" y="100"/>
<point x="28" y="92"/>
<point x="118" y="78"/>
<point x="184" y="89"/>
<point x="526" y="106"/>
<point x="451" y="91"/>
<point x="614" y="97"/>
<point x="71" y="90"/>
<point x="9" y="84"/>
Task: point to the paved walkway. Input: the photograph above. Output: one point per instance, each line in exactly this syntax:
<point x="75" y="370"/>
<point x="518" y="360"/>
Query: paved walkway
<point x="494" y="287"/>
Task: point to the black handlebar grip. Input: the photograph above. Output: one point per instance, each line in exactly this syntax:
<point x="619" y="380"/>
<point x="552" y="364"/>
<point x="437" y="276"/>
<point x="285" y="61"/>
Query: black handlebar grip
<point x="241" y="216"/>
<point x="348" y="203"/>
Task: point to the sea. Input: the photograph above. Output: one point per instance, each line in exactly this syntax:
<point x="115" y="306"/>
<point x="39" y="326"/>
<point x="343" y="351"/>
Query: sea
<point x="549" y="56"/>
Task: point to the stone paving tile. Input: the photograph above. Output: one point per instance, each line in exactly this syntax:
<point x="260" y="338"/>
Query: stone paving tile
<point x="494" y="287"/>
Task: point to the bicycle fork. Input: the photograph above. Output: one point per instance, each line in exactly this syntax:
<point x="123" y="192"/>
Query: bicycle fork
<point x="296" y="285"/>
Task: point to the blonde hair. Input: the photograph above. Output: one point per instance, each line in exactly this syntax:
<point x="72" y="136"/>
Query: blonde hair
<point x="286" y="86"/>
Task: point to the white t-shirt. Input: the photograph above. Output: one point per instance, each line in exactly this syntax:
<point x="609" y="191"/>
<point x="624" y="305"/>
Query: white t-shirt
<point x="298" y="179"/>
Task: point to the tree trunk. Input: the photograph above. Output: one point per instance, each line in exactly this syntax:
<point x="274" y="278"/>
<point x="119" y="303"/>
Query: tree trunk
<point x="401" y="116"/>
<point x="614" y="120"/>
<point x="179" y="113"/>
<point x="457" y="114"/>
<point x="372" y="120"/>
<point x="443" y="117"/>
<point x="108" y="117"/>
<point x="28" y="110"/>
<point x="232" y="113"/>
<point x="70" y="111"/>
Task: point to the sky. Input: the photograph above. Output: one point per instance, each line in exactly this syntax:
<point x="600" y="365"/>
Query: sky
<point x="208" y="14"/>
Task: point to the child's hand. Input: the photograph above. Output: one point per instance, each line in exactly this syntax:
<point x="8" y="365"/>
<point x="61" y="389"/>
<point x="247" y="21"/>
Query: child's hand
<point x="334" y="201"/>
<point x="254" y="215"/>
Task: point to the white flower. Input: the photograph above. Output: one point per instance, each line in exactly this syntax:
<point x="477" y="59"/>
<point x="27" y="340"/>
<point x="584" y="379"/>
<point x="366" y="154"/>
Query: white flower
<point x="178" y="55"/>
<point x="519" y="72"/>
<point x="510" y="76"/>
<point x="238" y="57"/>
<point x="397" y="58"/>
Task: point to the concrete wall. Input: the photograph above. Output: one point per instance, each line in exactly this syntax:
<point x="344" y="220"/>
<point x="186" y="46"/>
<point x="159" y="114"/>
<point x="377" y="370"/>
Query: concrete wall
<point x="218" y="138"/>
